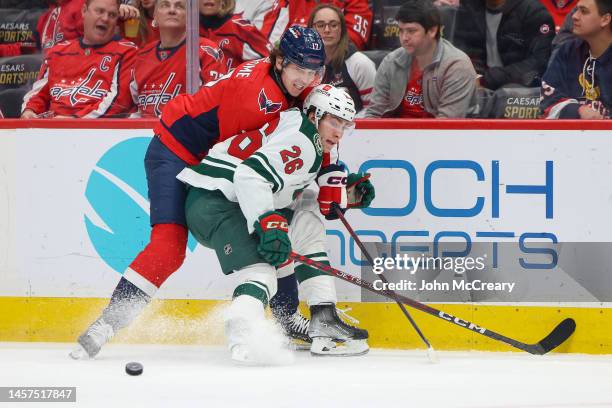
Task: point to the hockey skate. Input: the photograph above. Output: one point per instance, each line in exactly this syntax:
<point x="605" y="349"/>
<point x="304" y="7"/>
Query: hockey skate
<point x="333" y="337"/>
<point x="125" y="304"/>
<point x="256" y="343"/>
<point x="253" y="339"/>
<point x="295" y="327"/>
<point x="92" y="340"/>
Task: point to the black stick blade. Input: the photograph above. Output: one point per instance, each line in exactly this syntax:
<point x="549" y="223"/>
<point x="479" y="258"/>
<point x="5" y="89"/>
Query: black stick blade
<point x="555" y="338"/>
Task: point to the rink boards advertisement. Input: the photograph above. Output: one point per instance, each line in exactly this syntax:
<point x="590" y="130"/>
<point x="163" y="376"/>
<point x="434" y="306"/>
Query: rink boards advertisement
<point x="74" y="210"/>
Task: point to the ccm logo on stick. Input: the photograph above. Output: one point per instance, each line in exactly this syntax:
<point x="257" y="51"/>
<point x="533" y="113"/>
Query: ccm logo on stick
<point x="460" y="322"/>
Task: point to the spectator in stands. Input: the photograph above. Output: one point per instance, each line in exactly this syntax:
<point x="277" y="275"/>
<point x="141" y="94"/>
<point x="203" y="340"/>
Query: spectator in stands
<point x="64" y="21"/>
<point x="559" y="10"/>
<point x="578" y="82"/>
<point x="236" y="37"/>
<point x="564" y="33"/>
<point x="254" y="10"/>
<point x="286" y="13"/>
<point x="427" y="76"/>
<point x="145" y="29"/>
<point x="507" y="40"/>
<point x="345" y="67"/>
<point x="86" y="77"/>
<point x="159" y="71"/>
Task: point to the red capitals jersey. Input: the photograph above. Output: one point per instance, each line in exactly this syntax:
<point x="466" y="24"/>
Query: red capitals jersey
<point x="239" y="40"/>
<point x="84" y="81"/>
<point x="243" y="100"/>
<point x="412" y="102"/>
<point x="159" y="74"/>
<point x="286" y="13"/>
<point x="558" y="9"/>
<point x="61" y="22"/>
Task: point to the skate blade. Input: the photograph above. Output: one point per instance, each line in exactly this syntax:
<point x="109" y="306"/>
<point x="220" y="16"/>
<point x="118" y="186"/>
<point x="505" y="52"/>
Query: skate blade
<point x="79" y="353"/>
<point x="322" y="347"/>
<point x="299" y="345"/>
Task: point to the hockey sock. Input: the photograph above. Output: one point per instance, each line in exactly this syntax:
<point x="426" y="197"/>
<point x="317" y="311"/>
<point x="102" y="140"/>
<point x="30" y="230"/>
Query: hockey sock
<point x="163" y="255"/>
<point x="285" y="302"/>
<point x="303" y="272"/>
<point x="125" y="305"/>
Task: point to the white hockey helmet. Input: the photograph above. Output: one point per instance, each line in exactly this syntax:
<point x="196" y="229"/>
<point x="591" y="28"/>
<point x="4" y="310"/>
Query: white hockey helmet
<point x="326" y="98"/>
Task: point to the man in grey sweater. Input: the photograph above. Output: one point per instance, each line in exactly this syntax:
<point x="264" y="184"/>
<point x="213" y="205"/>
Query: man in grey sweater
<point x="427" y="77"/>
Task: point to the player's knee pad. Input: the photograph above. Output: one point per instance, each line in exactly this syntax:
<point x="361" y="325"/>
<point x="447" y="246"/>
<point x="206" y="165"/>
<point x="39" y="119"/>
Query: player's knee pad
<point x="258" y="281"/>
<point x="160" y="258"/>
<point x="307" y="233"/>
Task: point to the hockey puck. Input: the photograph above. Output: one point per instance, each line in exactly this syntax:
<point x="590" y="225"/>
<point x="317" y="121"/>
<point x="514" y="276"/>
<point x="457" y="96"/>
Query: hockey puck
<point x="133" y="368"/>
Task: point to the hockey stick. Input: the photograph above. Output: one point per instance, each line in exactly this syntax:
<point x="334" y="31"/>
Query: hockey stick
<point x="558" y="335"/>
<point x="430" y="350"/>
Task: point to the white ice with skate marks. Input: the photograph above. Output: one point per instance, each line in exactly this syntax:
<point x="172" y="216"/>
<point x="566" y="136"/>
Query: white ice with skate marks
<point x="190" y="376"/>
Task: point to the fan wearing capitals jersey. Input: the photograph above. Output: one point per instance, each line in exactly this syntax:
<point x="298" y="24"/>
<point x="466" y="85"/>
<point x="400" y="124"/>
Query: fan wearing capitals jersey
<point x="159" y="72"/>
<point x="357" y="14"/>
<point x="239" y="40"/>
<point x="88" y="77"/>
<point x="252" y="95"/>
<point x="558" y="10"/>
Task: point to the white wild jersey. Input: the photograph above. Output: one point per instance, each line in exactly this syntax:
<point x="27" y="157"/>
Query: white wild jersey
<point x="264" y="169"/>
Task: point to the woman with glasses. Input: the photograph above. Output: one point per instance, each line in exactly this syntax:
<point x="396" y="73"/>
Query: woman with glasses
<point x="345" y="67"/>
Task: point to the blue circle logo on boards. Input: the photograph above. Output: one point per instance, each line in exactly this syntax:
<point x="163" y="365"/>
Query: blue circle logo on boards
<point x="118" y="219"/>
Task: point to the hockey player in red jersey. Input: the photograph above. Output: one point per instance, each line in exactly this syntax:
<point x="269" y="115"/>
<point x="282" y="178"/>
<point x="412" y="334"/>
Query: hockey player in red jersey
<point x="159" y="71"/>
<point x="357" y="14"/>
<point x="239" y="40"/>
<point x="88" y="77"/>
<point x="252" y="95"/>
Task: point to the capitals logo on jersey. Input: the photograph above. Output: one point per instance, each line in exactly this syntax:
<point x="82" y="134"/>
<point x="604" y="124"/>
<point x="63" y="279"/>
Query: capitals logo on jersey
<point x="267" y="105"/>
<point x="215" y="53"/>
<point x="78" y="89"/>
<point x="158" y="99"/>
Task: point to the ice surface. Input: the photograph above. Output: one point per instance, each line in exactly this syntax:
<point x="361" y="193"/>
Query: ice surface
<point x="198" y="376"/>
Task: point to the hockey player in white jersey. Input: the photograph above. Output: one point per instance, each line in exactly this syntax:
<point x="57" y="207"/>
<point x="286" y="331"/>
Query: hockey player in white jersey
<point x="242" y="204"/>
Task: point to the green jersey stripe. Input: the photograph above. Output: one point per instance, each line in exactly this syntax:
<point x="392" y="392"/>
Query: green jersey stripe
<point x="219" y="161"/>
<point x="213" y="171"/>
<point x="271" y="169"/>
<point x="258" y="168"/>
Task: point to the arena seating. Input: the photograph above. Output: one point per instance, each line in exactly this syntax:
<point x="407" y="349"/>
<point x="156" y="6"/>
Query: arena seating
<point x="17" y="74"/>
